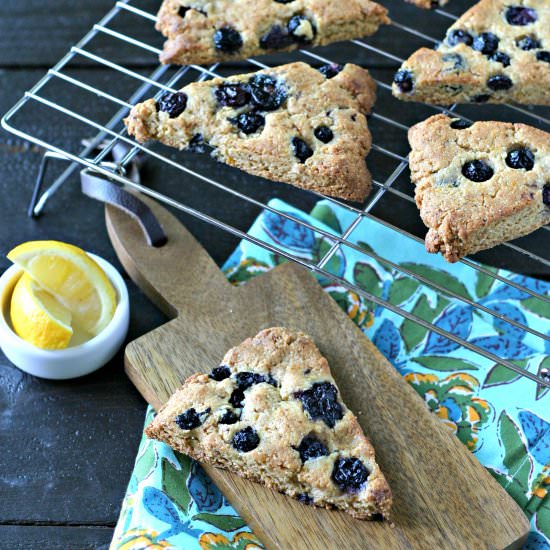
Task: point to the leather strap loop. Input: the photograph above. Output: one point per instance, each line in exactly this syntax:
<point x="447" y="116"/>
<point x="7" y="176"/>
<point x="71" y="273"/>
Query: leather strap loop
<point x="98" y="187"/>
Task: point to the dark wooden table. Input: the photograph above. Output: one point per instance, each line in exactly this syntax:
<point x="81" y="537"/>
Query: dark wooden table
<point x="67" y="448"/>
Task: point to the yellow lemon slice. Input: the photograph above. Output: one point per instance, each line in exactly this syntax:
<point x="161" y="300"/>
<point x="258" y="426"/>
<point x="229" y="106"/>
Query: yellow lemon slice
<point x="72" y="278"/>
<point x="38" y="318"/>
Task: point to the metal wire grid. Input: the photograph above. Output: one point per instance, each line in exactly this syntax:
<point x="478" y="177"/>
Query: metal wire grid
<point x="108" y="131"/>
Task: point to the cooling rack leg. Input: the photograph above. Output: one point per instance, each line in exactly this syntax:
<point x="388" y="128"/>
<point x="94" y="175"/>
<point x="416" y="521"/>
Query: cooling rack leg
<point x="37" y="204"/>
<point x="37" y="186"/>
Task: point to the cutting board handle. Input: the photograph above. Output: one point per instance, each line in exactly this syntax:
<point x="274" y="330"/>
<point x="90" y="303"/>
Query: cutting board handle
<point x="174" y="275"/>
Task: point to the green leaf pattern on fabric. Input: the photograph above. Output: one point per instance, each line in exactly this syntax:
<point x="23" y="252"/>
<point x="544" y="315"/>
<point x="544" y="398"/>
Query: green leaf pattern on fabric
<point x="499" y="375"/>
<point x="402" y="289"/>
<point x="174" y="481"/>
<point x="413" y="333"/>
<point x="223" y="522"/>
<point x="484" y="282"/>
<point x="516" y="475"/>
<point x="442" y="363"/>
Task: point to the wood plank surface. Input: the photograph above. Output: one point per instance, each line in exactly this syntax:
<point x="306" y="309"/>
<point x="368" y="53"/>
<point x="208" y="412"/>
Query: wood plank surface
<point x="39" y="537"/>
<point x="443" y="497"/>
<point x="33" y="36"/>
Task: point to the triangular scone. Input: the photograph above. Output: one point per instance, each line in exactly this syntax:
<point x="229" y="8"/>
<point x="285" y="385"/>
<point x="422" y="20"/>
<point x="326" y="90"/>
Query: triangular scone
<point x="479" y="185"/>
<point x="497" y="52"/>
<point x="292" y="123"/>
<point x="272" y="413"/>
<point x="202" y="31"/>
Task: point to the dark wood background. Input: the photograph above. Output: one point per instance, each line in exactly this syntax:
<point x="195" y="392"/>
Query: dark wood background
<point x="67" y="448"/>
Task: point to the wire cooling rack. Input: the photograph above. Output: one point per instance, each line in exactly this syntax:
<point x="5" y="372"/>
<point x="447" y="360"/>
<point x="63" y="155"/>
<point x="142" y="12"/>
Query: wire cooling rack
<point x="52" y="101"/>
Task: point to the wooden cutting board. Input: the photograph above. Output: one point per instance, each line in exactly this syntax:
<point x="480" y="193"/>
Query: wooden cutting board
<point x="443" y="497"/>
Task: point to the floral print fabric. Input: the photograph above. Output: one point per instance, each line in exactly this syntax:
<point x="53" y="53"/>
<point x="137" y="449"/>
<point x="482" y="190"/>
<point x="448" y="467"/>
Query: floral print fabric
<point x="501" y="417"/>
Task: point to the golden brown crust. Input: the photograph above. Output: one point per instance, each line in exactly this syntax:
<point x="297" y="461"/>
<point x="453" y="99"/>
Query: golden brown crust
<point x="190" y="39"/>
<point x="294" y="364"/>
<point x="428" y="4"/>
<point x="341" y="103"/>
<point x="464" y="216"/>
<point x="460" y="73"/>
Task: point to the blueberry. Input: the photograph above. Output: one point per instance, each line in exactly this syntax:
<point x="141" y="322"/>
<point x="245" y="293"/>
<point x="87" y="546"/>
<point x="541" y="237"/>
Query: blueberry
<point x="520" y="16"/>
<point x="245" y="380"/>
<point x="228" y="39"/>
<point x="301" y="29"/>
<point x="454" y="59"/>
<point x="330" y="70"/>
<point x="229" y="417"/>
<point x="349" y="474"/>
<point x="544" y="56"/>
<point x="460" y="124"/>
<point x="190" y="419"/>
<point x="266" y="92"/>
<point x="275" y="38"/>
<point x="173" y="103"/>
<point x="458" y="36"/>
<point x="248" y="123"/>
<point x="323" y="133"/>
<point x="305" y="499"/>
<point x="486" y="43"/>
<point x="232" y="95"/>
<point x="481" y="98"/>
<point x="321" y="403"/>
<point x="546" y="194"/>
<point x="311" y="448"/>
<point x="499" y="82"/>
<point x="302" y="151"/>
<point x="237" y="397"/>
<point x="527" y="43"/>
<point x="434" y="4"/>
<point x="404" y="80"/>
<point x="477" y="170"/>
<point x="271" y="381"/>
<point x="220" y="373"/>
<point x="197" y="144"/>
<point x="500" y="57"/>
<point x="284" y="1"/>
<point x="520" y="158"/>
<point x="245" y="440"/>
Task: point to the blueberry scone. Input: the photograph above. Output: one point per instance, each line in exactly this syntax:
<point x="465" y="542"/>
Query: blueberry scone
<point x="202" y="31"/>
<point x="292" y="123"/>
<point x="272" y="413"/>
<point x="478" y="185"/>
<point x="497" y="52"/>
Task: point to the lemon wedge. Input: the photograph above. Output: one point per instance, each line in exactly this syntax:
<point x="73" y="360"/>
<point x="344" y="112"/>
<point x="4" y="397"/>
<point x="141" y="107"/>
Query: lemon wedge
<point x="72" y="279"/>
<point x="38" y="318"/>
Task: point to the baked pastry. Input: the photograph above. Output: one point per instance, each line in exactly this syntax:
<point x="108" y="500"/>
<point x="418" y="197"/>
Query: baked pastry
<point x="428" y="4"/>
<point x="497" y="52"/>
<point x="201" y="31"/>
<point x="292" y="123"/>
<point x="478" y="185"/>
<point x="271" y="412"/>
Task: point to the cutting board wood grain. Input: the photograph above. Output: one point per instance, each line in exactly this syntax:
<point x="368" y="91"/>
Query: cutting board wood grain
<point x="443" y="497"/>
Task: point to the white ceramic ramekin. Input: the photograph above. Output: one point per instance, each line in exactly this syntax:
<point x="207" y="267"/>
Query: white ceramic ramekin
<point x="73" y="361"/>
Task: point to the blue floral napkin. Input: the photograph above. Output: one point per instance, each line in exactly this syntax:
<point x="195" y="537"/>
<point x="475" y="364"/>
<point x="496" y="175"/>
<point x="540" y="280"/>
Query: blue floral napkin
<point x="501" y="417"/>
